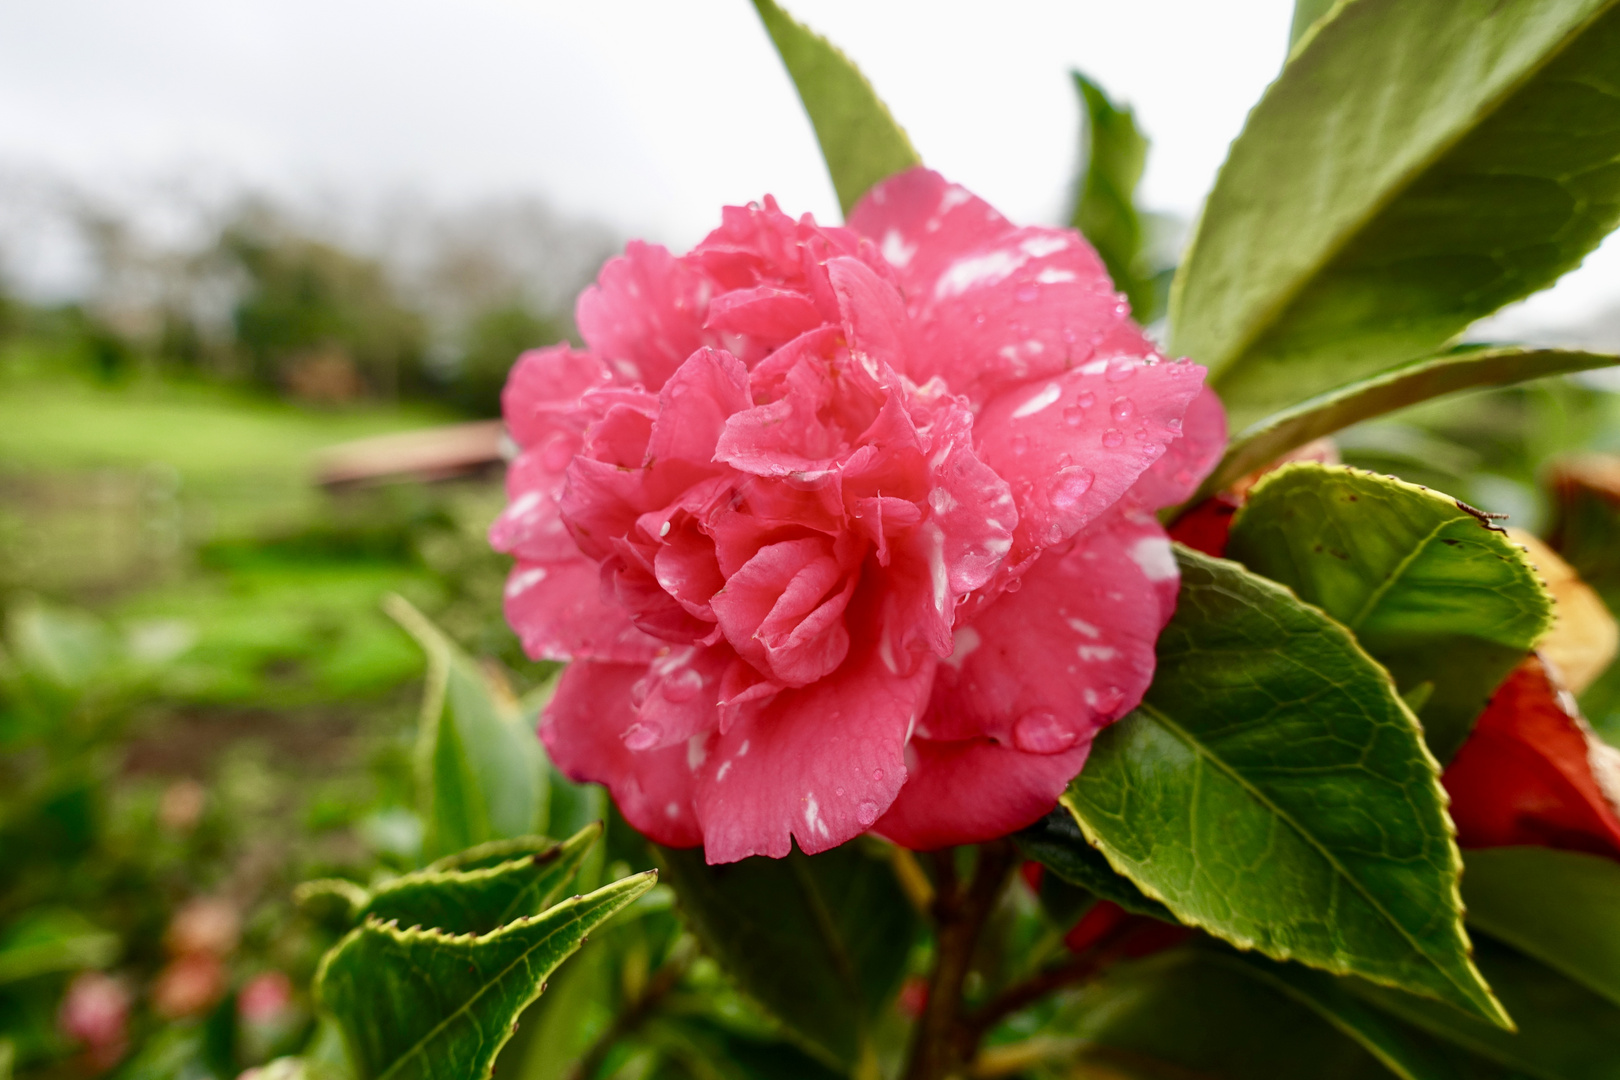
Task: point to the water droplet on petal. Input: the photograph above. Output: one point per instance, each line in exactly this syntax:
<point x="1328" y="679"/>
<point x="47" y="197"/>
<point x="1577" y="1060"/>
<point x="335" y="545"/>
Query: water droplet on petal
<point x="866" y="813"/>
<point x="1108" y="700"/>
<point x="1020" y="444"/>
<point x="642" y="736"/>
<point x="1085" y="399"/>
<point x="1041" y="732"/>
<point x="683" y="687"/>
<point x="1122" y="409"/>
<point x="1014" y="585"/>
<point x="1068" y="486"/>
<point x="1112" y="437"/>
<point x="1173" y="424"/>
<point x="838" y="791"/>
<point x="1074" y="415"/>
<point x="1027" y="293"/>
<point x="1121" y="368"/>
<point x="877" y="774"/>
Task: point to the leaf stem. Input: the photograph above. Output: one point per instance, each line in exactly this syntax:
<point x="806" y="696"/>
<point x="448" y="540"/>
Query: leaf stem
<point x="942" y="1043"/>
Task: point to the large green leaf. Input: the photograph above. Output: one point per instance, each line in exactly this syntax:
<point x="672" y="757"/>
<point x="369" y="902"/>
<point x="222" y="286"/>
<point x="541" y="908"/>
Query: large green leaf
<point x="1561" y="907"/>
<point x="420" y="1003"/>
<point x="819" y="941"/>
<point x="1115" y="152"/>
<point x="1274" y="790"/>
<point x="53" y="940"/>
<point x="1410" y="384"/>
<point x="478" y="900"/>
<point x="1403" y="1054"/>
<point x="480" y="768"/>
<point x="1430" y="589"/>
<point x="1417" y="164"/>
<point x="1306" y="12"/>
<point x="1057" y="843"/>
<point x="1187" y="1014"/>
<point x="1565" y="1032"/>
<point x="859" y="139"/>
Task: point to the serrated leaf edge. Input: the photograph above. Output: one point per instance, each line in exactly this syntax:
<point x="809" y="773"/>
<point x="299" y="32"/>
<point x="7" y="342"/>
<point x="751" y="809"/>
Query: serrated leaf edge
<point x="1495" y="1013"/>
<point x="619" y="894"/>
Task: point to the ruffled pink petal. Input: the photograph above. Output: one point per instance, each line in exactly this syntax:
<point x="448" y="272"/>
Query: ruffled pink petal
<point x="769" y="316"/>
<point x="921" y="222"/>
<point x="676" y="702"/>
<point x="1044" y="667"/>
<point x="818" y="765"/>
<point x="544" y="385"/>
<point x="693" y="408"/>
<point x="530" y="527"/>
<point x="873" y="316"/>
<point x="783" y="611"/>
<point x="558" y="613"/>
<point x="972" y="791"/>
<point x="1072" y="445"/>
<point x="583" y="729"/>
<point x="645" y="314"/>
<point x="1187" y="460"/>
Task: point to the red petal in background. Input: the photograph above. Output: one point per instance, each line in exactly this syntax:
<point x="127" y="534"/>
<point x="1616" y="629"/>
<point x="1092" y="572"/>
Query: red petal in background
<point x="1205" y="527"/>
<point x="1533" y="772"/>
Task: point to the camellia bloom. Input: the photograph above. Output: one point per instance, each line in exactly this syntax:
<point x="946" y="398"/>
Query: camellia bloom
<point x="847" y="528"/>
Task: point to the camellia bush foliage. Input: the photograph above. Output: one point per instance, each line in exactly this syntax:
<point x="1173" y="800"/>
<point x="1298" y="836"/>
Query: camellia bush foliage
<point x="1005" y="694"/>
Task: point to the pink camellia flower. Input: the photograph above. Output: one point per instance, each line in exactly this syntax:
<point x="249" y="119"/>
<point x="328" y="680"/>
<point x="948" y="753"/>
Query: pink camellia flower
<point x="847" y="528"/>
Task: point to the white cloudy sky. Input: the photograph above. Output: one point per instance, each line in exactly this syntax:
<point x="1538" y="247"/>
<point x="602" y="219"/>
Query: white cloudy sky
<point x="644" y="114"/>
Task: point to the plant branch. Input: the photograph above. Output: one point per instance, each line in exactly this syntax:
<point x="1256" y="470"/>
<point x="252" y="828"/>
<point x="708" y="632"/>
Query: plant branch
<point x="938" y="1048"/>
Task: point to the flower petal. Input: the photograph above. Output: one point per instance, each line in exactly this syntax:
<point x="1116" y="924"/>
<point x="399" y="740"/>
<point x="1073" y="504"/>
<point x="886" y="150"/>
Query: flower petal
<point x="583" y="729"/>
<point x="542" y="389"/>
<point x="644" y="315"/>
<point x="975" y="790"/>
<point x="1174" y="477"/>
<point x="558" y="613"/>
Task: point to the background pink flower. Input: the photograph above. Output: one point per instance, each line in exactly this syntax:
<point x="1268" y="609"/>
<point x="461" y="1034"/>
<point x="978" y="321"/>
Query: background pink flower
<point x="847" y="528"/>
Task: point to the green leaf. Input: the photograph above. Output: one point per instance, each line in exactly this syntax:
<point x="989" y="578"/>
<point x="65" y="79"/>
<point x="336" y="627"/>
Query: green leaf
<point x="480" y="768"/>
<point x="1411" y="384"/>
<point x="1403" y="1055"/>
<point x="712" y="1052"/>
<point x="1432" y="591"/>
<point x="420" y="1003"/>
<point x="1306" y="12"/>
<point x="476" y="901"/>
<point x="1565" y="1032"/>
<point x="1185" y="1014"/>
<point x="1417" y="164"/>
<point x="820" y="942"/>
<point x="1057" y="843"/>
<point x="1560" y="907"/>
<point x="54" y="940"/>
<point x="1115" y="152"/>
<point x="1274" y="790"/>
<point x="860" y="141"/>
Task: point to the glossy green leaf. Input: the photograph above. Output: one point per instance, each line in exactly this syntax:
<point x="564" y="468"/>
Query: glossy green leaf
<point x="1417" y="164"/>
<point x="1565" y="1032"/>
<point x="860" y="141"/>
<point x="820" y="942"/>
<point x="1560" y="907"/>
<point x="482" y="898"/>
<point x="480" y="768"/>
<point x="1274" y="790"/>
<point x="1057" y="843"/>
<point x="1406" y="1056"/>
<point x="1115" y="152"/>
<point x="714" y="1053"/>
<point x="1430" y="589"/>
<point x="420" y="1003"/>
<point x="1411" y="384"/>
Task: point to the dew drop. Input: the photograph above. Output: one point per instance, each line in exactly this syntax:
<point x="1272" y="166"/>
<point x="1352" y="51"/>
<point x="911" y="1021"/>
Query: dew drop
<point x="1085" y="399"/>
<point x="1020" y="445"/>
<point x="1173" y="424"/>
<point x="1122" y="409"/>
<point x="839" y="792"/>
<point x="1041" y="732"/>
<point x="1027" y="293"/>
<point x="1067" y="487"/>
<point x="978" y="318"/>
<point x="1109" y="700"/>
<point x="642" y="736"/>
<point x="866" y="813"/>
<point x="877" y="774"/>
<point x="1120" y="369"/>
<point x="683" y="687"/>
<point x="1112" y="438"/>
<point x="1014" y="585"/>
<point x="1074" y="416"/>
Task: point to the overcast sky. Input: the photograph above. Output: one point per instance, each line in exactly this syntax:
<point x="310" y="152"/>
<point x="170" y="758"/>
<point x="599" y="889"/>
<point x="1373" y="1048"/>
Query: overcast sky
<point x="646" y="115"/>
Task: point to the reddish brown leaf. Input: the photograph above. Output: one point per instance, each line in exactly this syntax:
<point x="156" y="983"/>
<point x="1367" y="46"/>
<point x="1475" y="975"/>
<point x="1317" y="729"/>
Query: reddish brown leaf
<point x="1533" y="772"/>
